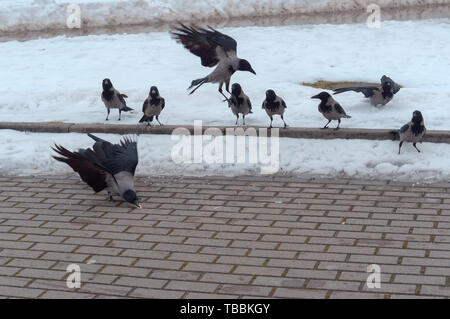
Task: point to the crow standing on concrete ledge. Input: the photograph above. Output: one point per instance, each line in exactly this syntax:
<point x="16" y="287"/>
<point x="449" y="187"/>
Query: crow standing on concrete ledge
<point x="153" y="105"/>
<point x="106" y="165"/>
<point x="239" y="102"/>
<point x="379" y="94"/>
<point x="214" y="48"/>
<point x="113" y="99"/>
<point x="273" y="105"/>
<point x="413" y="131"/>
<point x="330" y="109"/>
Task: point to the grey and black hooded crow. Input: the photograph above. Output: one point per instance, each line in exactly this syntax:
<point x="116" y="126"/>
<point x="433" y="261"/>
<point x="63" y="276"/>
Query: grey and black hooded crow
<point x="413" y="131"/>
<point x="113" y="99"/>
<point x="239" y="102"/>
<point x="153" y="105"/>
<point x="215" y="49"/>
<point x="273" y="105"/>
<point x="379" y="94"/>
<point x="330" y="108"/>
<point x="106" y="165"/>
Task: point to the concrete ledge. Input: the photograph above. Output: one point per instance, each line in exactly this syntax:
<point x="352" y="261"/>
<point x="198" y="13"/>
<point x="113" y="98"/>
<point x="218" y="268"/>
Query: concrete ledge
<point x="44" y="127"/>
<point x="293" y="132"/>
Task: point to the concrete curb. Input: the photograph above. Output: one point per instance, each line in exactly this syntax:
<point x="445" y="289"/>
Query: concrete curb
<point x="293" y="132"/>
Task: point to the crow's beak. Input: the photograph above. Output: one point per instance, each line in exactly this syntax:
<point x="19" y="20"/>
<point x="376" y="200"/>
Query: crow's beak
<point x="136" y="203"/>
<point x="253" y="71"/>
<point x="315" y="97"/>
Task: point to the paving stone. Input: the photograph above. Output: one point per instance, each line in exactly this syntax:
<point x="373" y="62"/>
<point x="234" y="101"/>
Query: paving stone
<point x="20" y="292"/>
<point x="156" y="293"/>
<point x="245" y="289"/>
<point x="227" y="278"/>
<point x="221" y="237"/>
<point x="191" y="286"/>
<point x="300" y="293"/>
<point x="140" y="282"/>
<point x="40" y="273"/>
<point x="66" y="295"/>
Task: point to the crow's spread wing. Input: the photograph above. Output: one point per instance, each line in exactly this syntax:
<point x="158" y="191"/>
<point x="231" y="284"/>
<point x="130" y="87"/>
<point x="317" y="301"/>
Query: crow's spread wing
<point x="210" y="45"/>
<point x="90" y="173"/>
<point x="116" y="158"/>
<point x="368" y="91"/>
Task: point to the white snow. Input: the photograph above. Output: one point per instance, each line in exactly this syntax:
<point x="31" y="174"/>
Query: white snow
<point x="29" y="154"/>
<point x="59" y="79"/>
<point x="35" y="15"/>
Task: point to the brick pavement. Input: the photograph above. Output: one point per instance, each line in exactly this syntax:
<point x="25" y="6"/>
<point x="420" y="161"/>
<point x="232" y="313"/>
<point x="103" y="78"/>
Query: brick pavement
<point x="220" y="237"/>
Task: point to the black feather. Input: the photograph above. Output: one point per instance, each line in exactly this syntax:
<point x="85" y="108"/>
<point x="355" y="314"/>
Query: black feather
<point x="90" y="173"/>
<point x="115" y="158"/>
<point x="339" y="108"/>
<point x="203" y="42"/>
<point x="121" y="99"/>
<point x="368" y="91"/>
<point x="404" y="128"/>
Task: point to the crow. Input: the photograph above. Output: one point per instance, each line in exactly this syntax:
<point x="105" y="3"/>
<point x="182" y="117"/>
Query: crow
<point x="379" y="94"/>
<point x="330" y="108"/>
<point x="273" y="105"/>
<point x="413" y="131"/>
<point x="215" y="49"/>
<point x="113" y="99"/>
<point x="105" y="166"/>
<point x="239" y="102"/>
<point x="153" y="105"/>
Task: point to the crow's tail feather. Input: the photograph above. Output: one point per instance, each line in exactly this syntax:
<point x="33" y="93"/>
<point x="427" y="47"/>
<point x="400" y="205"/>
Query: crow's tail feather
<point x="95" y="138"/>
<point x="145" y="118"/>
<point x="126" y="109"/>
<point x="395" y="134"/>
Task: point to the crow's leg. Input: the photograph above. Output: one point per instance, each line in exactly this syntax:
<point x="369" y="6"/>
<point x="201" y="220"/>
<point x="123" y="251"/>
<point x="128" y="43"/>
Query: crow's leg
<point x="196" y="88"/>
<point x="158" y="120"/>
<point x="326" y="125"/>
<point x="271" y="120"/>
<point x="227" y="86"/>
<point x="339" y="123"/>
<point x="243" y="119"/>
<point x="285" y="125"/>
<point x="399" y="147"/>
<point x="107" y="115"/>
<point x="237" y="118"/>
<point x="120" y="112"/>
<point x="221" y="92"/>
<point x="414" y="144"/>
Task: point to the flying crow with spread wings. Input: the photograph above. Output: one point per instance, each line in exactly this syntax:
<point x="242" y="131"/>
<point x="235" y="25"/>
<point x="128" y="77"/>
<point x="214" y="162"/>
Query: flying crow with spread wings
<point x="106" y="165"/>
<point x="215" y="49"/>
<point x="380" y="94"/>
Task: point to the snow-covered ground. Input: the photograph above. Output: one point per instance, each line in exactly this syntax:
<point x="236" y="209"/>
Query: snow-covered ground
<point x="59" y="79"/>
<point x="38" y="15"/>
<point x="30" y="154"/>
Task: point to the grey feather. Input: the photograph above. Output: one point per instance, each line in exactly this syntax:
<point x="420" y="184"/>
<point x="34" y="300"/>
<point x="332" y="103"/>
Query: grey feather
<point x="116" y="158"/>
